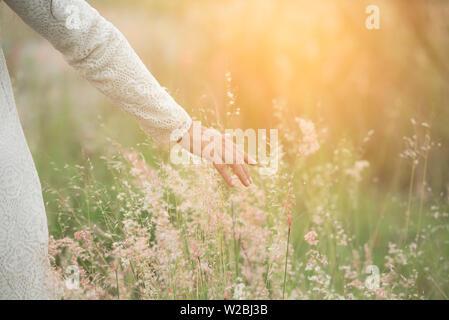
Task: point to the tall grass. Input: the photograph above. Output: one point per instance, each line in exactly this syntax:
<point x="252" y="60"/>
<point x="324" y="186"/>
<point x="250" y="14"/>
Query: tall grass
<point x="350" y="191"/>
<point x="167" y="232"/>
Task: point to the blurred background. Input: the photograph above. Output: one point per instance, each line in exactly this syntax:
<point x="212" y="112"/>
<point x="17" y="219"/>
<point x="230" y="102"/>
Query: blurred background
<point x="317" y="57"/>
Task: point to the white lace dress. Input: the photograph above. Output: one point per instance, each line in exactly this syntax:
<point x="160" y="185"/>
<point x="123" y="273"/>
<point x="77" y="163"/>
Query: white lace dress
<point x="101" y="54"/>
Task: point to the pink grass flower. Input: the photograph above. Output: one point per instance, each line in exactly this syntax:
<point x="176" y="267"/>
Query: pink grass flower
<point x="311" y="238"/>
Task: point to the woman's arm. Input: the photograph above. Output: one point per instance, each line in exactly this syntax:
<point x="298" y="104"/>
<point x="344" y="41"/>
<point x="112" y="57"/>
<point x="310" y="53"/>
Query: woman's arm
<point x="102" y="55"/>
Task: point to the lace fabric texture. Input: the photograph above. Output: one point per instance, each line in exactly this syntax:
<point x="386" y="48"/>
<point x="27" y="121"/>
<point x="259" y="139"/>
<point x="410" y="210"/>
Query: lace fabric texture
<point x="102" y="55"/>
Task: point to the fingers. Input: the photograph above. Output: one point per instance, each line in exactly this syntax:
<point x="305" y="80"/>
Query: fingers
<point x="230" y="154"/>
<point x="221" y="168"/>
<point x="240" y="168"/>
<point x="240" y="173"/>
<point x="238" y="165"/>
<point x="246" y="172"/>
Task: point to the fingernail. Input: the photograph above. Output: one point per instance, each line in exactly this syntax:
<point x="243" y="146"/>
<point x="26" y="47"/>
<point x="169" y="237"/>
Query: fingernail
<point x="251" y="160"/>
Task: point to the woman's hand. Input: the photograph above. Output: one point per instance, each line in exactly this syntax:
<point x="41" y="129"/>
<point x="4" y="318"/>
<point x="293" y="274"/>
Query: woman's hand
<point x="221" y="151"/>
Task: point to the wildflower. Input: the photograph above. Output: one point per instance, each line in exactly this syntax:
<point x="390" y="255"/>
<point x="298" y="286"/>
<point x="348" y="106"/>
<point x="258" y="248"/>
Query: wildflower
<point x="317" y="219"/>
<point x="289" y="220"/>
<point x="239" y="291"/>
<point x="323" y="260"/>
<point x="311" y="238"/>
<point x="82" y="235"/>
<point x="131" y="156"/>
<point x="309" y="143"/>
<point x="356" y="171"/>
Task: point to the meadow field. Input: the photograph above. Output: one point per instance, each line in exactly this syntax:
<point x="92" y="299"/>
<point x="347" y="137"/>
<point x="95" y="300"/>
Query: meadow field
<point x="359" y="206"/>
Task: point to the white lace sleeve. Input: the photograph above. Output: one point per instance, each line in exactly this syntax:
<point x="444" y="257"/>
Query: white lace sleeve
<point x="101" y="54"/>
